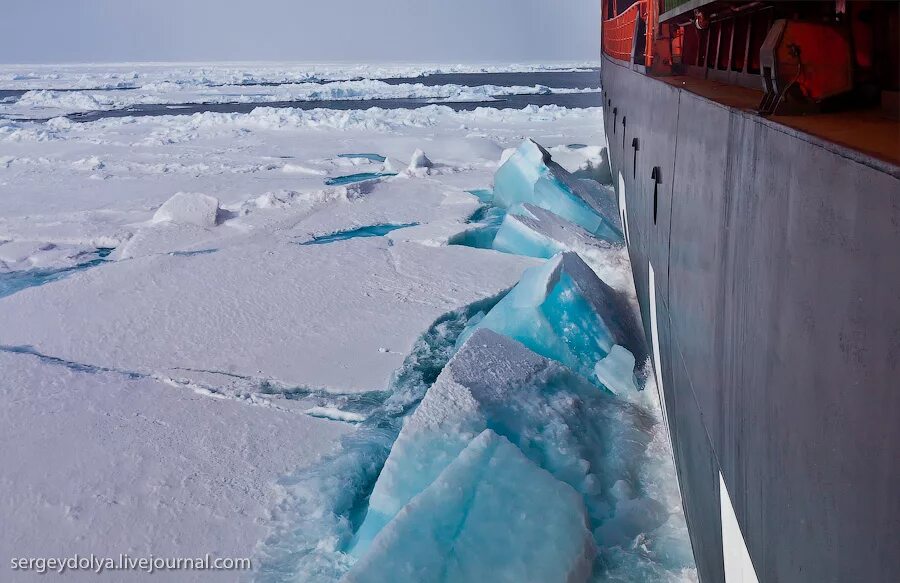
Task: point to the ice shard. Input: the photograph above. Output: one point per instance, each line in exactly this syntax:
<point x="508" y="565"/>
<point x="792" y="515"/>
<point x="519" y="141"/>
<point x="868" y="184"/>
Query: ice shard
<point x="481" y="519"/>
<point x="530" y="176"/>
<point x="537" y="232"/>
<point x="563" y="311"/>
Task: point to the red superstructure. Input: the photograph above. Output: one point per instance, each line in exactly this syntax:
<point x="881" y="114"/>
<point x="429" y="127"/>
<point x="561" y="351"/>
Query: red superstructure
<point x="817" y="55"/>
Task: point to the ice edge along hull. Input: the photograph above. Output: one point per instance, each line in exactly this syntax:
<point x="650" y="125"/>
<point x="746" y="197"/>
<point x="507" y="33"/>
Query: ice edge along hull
<point x="776" y="268"/>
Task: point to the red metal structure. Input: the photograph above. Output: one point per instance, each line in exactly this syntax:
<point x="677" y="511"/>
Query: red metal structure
<point x="620" y="31"/>
<point x="832" y="53"/>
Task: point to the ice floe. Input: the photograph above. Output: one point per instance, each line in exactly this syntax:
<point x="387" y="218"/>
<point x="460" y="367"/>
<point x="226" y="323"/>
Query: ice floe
<point x="92" y="453"/>
<point x="293" y="317"/>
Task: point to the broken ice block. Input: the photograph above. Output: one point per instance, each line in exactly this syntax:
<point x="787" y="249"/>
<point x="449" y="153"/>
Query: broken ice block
<point x="616" y="371"/>
<point x="586" y="437"/>
<point x="491" y="515"/>
<point x="531" y="176"/>
<point x="536" y="232"/>
<point x="563" y="311"/>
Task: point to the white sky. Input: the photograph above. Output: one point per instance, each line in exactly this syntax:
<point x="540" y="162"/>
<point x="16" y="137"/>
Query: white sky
<point x="49" y="31"/>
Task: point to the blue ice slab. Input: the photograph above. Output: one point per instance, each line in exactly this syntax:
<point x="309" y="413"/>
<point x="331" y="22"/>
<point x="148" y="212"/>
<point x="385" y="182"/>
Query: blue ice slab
<point x="365" y="156"/>
<point x="361" y="177"/>
<point x="367" y="231"/>
<point x="482" y="519"/>
<point x="517" y="237"/>
<point x="588" y="438"/>
<point x="16" y="281"/>
<point x="563" y="311"/>
<point x="531" y="176"/>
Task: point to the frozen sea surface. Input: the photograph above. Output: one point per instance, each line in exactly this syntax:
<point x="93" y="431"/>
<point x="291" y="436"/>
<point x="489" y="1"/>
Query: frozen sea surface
<point x="31" y="95"/>
<point x="216" y="377"/>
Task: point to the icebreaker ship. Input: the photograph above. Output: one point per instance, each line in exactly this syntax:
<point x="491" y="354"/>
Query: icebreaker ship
<point x="531" y="176"/>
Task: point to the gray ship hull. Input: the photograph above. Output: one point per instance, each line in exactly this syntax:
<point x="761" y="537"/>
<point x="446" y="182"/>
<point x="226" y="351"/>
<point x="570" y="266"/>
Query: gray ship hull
<point x="767" y="265"/>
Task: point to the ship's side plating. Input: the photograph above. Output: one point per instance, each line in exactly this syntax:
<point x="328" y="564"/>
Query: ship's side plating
<point x="771" y="261"/>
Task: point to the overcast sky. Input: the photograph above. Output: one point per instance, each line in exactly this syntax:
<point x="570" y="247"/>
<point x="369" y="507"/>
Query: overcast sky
<point x="53" y="31"/>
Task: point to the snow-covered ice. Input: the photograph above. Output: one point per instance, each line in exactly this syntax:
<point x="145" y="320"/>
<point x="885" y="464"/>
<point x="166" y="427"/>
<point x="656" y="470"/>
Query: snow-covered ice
<point x="260" y="306"/>
<point x="125" y="75"/>
<point x="206" y="332"/>
<point x="189" y="208"/>
<point x="47" y="104"/>
<point x="100" y="462"/>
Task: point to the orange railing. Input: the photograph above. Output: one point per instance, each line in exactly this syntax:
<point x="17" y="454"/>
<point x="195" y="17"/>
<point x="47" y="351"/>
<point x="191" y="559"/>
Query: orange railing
<point x="618" y="31"/>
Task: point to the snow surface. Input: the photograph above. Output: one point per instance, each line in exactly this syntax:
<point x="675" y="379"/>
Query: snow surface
<point x="100" y="462"/>
<point x="189" y="208"/>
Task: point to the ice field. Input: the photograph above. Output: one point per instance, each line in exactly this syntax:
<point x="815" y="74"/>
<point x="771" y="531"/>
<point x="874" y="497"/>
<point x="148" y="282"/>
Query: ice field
<point x="354" y="345"/>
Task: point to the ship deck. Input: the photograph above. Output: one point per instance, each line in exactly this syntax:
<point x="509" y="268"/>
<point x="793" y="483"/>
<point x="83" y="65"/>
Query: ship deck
<point x="869" y="131"/>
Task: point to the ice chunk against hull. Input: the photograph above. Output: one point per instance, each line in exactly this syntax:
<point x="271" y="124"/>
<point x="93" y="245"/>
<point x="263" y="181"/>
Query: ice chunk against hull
<point x="481" y="519"/>
<point x="563" y="311"/>
<point x="531" y="176"/>
<point x="537" y="232"/>
<point x="583" y="436"/>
